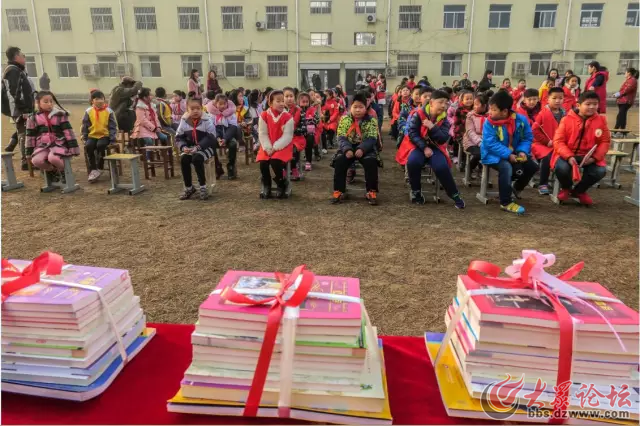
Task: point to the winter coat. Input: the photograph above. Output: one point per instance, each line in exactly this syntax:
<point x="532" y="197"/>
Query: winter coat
<point x="473" y="130"/>
<point x="51" y="131"/>
<point x="189" y="136"/>
<point x="628" y="91"/>
<point x="145" y="126"/>
<point x="601" y="78"/>
<point x="194" y="86"/>
<point x="498" y="145"/>
<point x="98" y="124"/>
<point x="570" y="98"/>
<point x="20" y="90"/>
<point x="227" y="117"/>
<point x="275" y="132"/>
<point x="121" y="102"/>
<point x="350" y="138"/>
<point x="543" y="133"/>
<point x="577" y="135"/>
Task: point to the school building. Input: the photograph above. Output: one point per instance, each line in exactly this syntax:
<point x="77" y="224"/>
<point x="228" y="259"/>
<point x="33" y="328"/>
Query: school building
<point x="85" y="44"/>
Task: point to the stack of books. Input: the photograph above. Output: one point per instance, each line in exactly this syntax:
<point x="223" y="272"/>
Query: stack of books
<point x="58" y="342"/>
<point x="338" y="375"/>
<point x="503" y="338"/>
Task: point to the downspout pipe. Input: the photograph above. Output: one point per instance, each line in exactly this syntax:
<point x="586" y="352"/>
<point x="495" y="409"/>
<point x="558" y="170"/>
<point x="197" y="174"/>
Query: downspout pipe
<point x="566" y="30"/>
<point x="388" y="28"/>
<point x="297" y="44"/>
<point x="473" y="10"/>
<point x="206" y="26"/>
<point x="124" y="39"/>
<point x="35" y="25"/>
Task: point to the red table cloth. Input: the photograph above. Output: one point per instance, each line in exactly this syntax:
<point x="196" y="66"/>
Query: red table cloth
<point x="139" y="394"/>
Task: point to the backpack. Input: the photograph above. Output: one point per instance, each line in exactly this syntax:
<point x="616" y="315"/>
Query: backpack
<point x="6" y="104"/>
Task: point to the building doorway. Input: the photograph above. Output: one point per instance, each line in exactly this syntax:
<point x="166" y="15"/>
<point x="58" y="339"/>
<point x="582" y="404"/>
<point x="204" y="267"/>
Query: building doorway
<point x="353" y="75"/>
<point x="319" y="79"/>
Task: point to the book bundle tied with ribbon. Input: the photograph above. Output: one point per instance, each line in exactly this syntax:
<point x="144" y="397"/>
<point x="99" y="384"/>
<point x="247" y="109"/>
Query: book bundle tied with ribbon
<point x="67" y="330"/>
<point x="297" y="346"/>
<point x="532" y="346"/>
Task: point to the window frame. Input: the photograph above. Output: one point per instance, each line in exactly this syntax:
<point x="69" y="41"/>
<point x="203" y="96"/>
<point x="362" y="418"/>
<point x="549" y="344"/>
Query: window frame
<point x="190" y="63"/>
<point x="17" y="19"/>
<point x="67" y="63"/>
<point x="279" y="66"/>
<point x="147" y="60"/>
<point x="57" y="14"/>
<point x="453" y="60"/>
<point x="365" y="7"/>
<point x="328" y="39"/>
<point x="143" y="12"/>
<point x="581" y="62"/>
<point x="110" y="63"/>
<point x="501" y="14"/>
<point x="454" y="13"/>
<point x="186" y="16"/>
<point x="410" y="16"/>
<point x="362" y="33"/>
<point x="543" y="58"/>
<point x="545" y="8"/>
<point x="630" y="13"/>
<point x="408" y="63"/>
<point x="235" y="63"/>
<point x="320" y="9"/>
<point x="274" y="15"/>
<point x="591" y="12"/>
<point x="231" y="17"/>
<point x="635" y="57"/>
<point x="99" y="17"/>
<point x="31" y="63"/>
<point x="493" y="61"/>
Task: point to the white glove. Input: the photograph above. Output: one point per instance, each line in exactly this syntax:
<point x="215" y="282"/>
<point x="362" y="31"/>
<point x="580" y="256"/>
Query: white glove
<point x="616" y="95"/>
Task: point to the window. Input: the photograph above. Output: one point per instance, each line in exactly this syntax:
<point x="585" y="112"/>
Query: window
<point x="451" y="65"/>
<point x="190" y="62"/>
<point x="320" y="7"/>
<point x="102" y="19"/>
<point x="67" y="66"/>
<point x="407" y="64"/>
<point x="364" y="39"/>
<point x="368" y="6"/>
<point x="627" y="59"/>
<point x="189" y="18"/>
<point x="30" y="65"/>
<point x="591" y="14"/>
<point x="540" y="63"/>
<point x="145" y="18"/>
<point x="499" y="16"/>
<point x="60" y="19"/>
<point x="633" y="13"/>
<point x="234" y="66"/>
<point x="17" y="19"/>
<point x="545" y="16"/>
<point x="496" y="62"/>
<point x="278" y="65"/>
<point x="320" y="39"/>
<point x="410" y="17"/>
<point x="107" y="66"/>
<point x="232" y="17"/>
<point x="150" y="66"/>
<point x="276" y="17"/>
<point x="454" y="16"/>
<point x="581" y="62"/>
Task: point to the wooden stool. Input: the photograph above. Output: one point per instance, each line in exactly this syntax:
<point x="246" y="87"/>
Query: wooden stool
<point x="7" y="164"/>
<point x="159" y="156"/>
<point x="111" y="149"/>
<point x="247" y="140"/>
<point x="123" y="139"/>
<point x="68" y="186"/>
<point x="484" y="195"/>
<point x="134" y="187"/>
<point x="616" y="157"/>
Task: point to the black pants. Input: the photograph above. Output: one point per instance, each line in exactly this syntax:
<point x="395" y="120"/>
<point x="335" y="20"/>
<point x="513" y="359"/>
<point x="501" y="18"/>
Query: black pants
<point x="308" y="148"/>
<point x="519" y="173"/>
<point x="99" y="145"/>
<point x="621" y="119"/>
<point x="19" y="137"/>
<point x="327" y="138"/>
<point x="394" y="131"/>
<point x="197" y="159"/>
<point x="545" y="169"/>
<point x="342" y="164"/>
<point x="474" y="157"/>
<point x="277" y="166"/>
<point x="230" y="135"/>
<point x="591" y="175"/>
<point x="295" y="161"/>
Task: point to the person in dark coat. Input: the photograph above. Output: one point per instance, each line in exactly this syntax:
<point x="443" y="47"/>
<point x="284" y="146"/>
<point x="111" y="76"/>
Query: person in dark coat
<point x="626" y="96"/>
<point x="45" y="81"/>
<point x="212" y="82"/>
<point x="486" y="83"/>
<point x="121" y="102"/>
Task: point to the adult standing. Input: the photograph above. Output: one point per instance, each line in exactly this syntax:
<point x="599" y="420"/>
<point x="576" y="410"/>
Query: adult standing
<point x="554" y="75"/>
<point x="359" y="82"/>
<point x="626" y="97"/>
<point x="486" y="83"/>
<point x="597" y="82"/>
<point x="212" y="82"/>
<point x="121" y="102"/>
<point x="465" y="83"/>
<point x="18" y="103"/>
<point x="317" y="83"/>
<point x="45" y="81"/>
<point x="193" y="84"/>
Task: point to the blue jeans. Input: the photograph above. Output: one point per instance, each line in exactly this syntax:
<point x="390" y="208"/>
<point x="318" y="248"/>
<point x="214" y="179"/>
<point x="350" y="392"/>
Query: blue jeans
<point x="438" y="162"/>
<point x="520" y="174"/>
<point x="147" y="142"/>
<point x="164" y="139"/>
<point x="591" y="175"/>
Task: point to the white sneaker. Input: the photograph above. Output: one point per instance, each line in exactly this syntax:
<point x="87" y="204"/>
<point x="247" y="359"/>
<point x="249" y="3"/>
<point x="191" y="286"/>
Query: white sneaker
<point x="324" y="151"/>
<point x="94" y="175"/>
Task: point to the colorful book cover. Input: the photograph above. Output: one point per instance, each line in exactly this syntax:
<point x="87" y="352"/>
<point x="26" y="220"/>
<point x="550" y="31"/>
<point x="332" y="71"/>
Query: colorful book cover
<point x="58" y="295"/>
<point x="310" y="308"/>
<point x="515" y="306"/>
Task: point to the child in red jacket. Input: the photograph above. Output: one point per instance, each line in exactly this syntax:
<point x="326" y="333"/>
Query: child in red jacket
<point x="571" y="92"/>
<point x="530" y="106"/>
<point x="299" y="131"/>
<point x="543" y="130"/>
<point x="331" y="109"/>
<point x="517" y="93"/>
<point x="578" y="133"/>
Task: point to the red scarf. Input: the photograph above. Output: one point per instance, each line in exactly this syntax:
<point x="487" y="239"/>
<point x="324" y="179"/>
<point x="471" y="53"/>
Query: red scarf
<point x="194" y="134"/>
<point x="152" y="113"/>
<point x="97" y="111"/>
<point x="510" y="122"/>
<point x="355" y="126"/>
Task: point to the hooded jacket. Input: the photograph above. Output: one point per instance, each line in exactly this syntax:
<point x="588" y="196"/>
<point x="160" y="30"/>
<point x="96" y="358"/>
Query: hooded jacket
<point x="576" y="136"/>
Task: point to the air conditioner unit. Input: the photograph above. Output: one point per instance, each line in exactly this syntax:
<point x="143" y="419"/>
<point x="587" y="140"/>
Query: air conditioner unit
<point x="218" y="69"/>
<point x="261" y="25"/>
<point x="371" y="18"/>
<point x="124" y="70"/>
<point x="391" y="72"/>
<point x="91" y="71"/>
<point x="520" y="69"/>
<point x="252" y="71"/>
<point x="561" y="66"/>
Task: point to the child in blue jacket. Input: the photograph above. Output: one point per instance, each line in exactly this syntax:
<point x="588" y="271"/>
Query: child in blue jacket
<point x="506" y="147"/>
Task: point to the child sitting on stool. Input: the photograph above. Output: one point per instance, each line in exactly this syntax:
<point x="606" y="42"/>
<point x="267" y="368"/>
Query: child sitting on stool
<point x="98" y="130"/>
<point x="223" y="114"/>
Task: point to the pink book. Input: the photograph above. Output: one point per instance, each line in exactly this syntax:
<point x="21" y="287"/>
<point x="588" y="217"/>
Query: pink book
<point x="58" y="298"/>
<point x="312" y="311"/>
<point x="538" y="312"/>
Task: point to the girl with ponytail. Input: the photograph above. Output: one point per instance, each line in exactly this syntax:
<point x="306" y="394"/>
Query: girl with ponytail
<point x="147" y="124"/>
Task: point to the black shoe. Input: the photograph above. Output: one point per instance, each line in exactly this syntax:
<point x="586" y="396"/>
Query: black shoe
<point x="188" y="192"/>
<point x="24" y="167"/>
<point x="62" y="177"/>
<point x="282" y="189"/>
<point x="317" y="157"/>
<point x="265" y="193"/>
<point x="219" y="173"/>
<point x="231" y="173"/>
<point x="417" y="197"/>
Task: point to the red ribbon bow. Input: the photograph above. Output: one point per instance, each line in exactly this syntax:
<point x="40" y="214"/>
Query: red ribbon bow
<point x="486" y="273"/>
<point x="48" y="262"/>
<point x="273" y="324"/>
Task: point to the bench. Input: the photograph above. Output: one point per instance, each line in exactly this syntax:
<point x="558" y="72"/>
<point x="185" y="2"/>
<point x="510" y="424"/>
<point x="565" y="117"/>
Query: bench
<point x="123" y="140"/>
<point x="616" y="161"/>
<point x="10" y="182"/>
<point x="69" y="185"/>
<point x="134" y="187"/>
<point x="111" y="149"/>
<point x="158" y="156"/>
<point x="618" y="145"/>
<point x="485" y="195"/>
<point x="634" y="198"/>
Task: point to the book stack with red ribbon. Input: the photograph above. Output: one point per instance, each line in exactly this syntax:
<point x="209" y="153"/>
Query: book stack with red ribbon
<point x="336" y="373"/>
<point x="534" y="346"/>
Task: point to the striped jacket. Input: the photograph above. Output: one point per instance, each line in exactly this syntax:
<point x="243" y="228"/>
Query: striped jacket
<point x="52" y="130"/>
<point x="188" y="136"/>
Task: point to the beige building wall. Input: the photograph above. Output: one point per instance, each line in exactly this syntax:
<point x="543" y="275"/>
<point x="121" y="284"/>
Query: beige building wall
<point x="339" y="62"/>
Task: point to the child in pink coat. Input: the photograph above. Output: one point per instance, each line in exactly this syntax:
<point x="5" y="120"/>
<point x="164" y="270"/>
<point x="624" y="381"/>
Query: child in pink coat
<point x="147" y="124"/>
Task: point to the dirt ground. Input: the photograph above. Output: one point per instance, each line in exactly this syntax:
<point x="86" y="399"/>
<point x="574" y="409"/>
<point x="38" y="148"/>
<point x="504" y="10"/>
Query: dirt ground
<point x="407" y="257"/>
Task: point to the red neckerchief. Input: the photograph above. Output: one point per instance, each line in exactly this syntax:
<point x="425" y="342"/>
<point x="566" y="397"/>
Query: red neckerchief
<point x="295" y="112"/>
<point x="510" y="122"/>
<point x="98" y="111"/>
<point x="355" y="126"/>
<point x="152" y="113"/>
<point x="194" y="134"/>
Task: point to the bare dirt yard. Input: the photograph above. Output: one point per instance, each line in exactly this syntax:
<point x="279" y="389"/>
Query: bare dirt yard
<point x="407" y="257"/>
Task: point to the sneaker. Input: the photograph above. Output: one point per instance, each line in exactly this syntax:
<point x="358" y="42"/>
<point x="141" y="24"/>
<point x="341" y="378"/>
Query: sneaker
<point x="564" y="195"/>
<point x="351" y="175"/>
<point x="417" y="197"/>
<point x="584" y="199"/>
<point x="266" y="192"/>
<point x="516" y="193"/>
<point x="295" y="175"/>
<point x="204" y="194"/>
<point x="513" y="208"/>
<point x="231" y="173"/>
<point x="317" y="157"/>
<point x="459" y="202"/>
<point x="93" y="176"/>
<point x="307" y="167"/>
<point x="543" y="190"/>
<point x="188" y="192"/>
<point x="324" y="151"/>
<point x="455" y="160"/>
<point x="372" y="197"/>
<point x="282" y="189"/>
<point x="337" y="197"/>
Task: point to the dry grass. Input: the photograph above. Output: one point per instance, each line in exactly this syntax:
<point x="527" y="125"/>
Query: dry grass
<point x="407" y="257"/>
